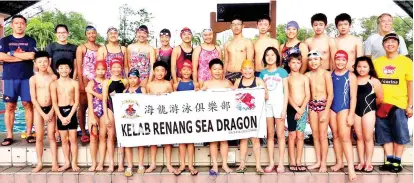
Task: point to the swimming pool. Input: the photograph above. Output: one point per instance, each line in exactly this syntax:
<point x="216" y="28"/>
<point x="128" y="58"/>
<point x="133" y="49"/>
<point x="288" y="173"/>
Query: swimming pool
<point x="19" y="124"/>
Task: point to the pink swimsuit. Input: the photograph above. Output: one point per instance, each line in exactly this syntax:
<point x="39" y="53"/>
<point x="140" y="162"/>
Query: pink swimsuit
<point x="89" y="60"/>
<point x="204" y="59"/>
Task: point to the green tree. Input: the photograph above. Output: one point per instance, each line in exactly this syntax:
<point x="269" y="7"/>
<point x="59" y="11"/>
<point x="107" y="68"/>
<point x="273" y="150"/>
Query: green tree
<point x="368" y="26"/>
<point x="302" y="33"/>
<point x="129" y="20"/>
<point x="196" y="39"/>
<point x="218" y="42"/>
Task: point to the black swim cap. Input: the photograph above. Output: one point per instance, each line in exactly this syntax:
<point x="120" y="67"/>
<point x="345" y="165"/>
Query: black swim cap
<point x="165" y="32"/>
<point x="160" y="63"/>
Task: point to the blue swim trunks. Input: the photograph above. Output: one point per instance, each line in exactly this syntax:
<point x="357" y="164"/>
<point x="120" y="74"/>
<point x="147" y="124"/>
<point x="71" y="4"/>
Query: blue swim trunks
<point x="14" y="88"/>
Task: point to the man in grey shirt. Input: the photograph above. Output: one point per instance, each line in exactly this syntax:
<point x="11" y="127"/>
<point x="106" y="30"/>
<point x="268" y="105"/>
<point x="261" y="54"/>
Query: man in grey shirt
<point x="373" y="45"/>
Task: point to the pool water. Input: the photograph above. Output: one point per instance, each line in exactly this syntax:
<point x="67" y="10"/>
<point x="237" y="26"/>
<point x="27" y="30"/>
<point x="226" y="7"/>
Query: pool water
<point x="19" y="124"/>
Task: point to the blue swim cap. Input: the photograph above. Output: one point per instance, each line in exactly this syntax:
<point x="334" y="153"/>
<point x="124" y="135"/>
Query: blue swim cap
<point x="292" y="24"/>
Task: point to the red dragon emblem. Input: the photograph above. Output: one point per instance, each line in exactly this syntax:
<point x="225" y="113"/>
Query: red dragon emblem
<point x="130" y="110"/>
<point x="246" y="98"/>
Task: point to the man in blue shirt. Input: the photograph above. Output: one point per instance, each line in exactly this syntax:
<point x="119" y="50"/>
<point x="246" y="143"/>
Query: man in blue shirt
<point x="17" y="52"/>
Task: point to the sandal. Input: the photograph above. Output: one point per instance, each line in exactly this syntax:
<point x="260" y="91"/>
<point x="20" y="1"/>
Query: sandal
<point x="128" y="172"/>
<point x="368" y="169"/>
<point x="8" y="140"/>
<point x="30" y="139"/>
<point x="301" y="168"/>
<point x="84" y="139"/>
<point x="241" y="170"/>
<point x="360" y="167"/>
<point x="213" y="173"/>
<point x="269" y="169"/>
<point x="259" y="172"/>
<point x="293" y="168"/>
<point x="178" y="172"/>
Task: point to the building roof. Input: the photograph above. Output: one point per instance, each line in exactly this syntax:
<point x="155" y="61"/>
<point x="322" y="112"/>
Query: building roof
<point x="11" y="8"/>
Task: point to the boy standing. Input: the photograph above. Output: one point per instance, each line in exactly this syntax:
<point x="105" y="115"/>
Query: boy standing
<point x="217" y="81"/>
<point x="65" y="98"/>
<point x="42" y="103"/>
<point x="157" y="87"/>
<point x="297" y="112"/>
<point x="264" y="41"/>
<point x="320" y="104"/>
<point x="322" y="42"/>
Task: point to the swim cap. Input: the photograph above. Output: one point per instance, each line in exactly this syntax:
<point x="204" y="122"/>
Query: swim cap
<point x="165" y="32"/>
<point x="160" y="63"/>
<point x="292" y="24"/>
<point x="100" y="62"/>
<point x="110" y="29"/>
<point x="341" y="54"/>
<point x="133" y="72"/>
<point x="89" y="27"/>
<point x="247" y="63"/>
<point x="115" y="61"/>
<point x="187" y="63"/>
<point x="185" y="29"/>
<point x="143" y="28"/>
<point x="314" y="53"/>
<point x="207" y="30"/>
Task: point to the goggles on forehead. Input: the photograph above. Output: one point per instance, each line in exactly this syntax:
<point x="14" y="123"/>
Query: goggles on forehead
<point x="186" y="30"/>
<point x="207" y="30"/>
<point x="141" y="29"/>
<point x="314" y="54"/>
<point x="90" y="28"/>
<point x="164" y="34"/>
<point x="112" y="29"/>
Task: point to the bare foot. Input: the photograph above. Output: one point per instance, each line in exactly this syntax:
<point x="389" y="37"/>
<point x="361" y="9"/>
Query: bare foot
<point x="110" y="168"/>
<point x="99" y="167"/>
<point x="323" y="169"/>
<point x="215" y="168"/>
<point x="92" y="168"/>
<point x="227" y="169"/>
<point x="64" y="168"/>
<point x="121" y="168"/>
<point x="55" y="168"/>
<point x="39" y="167"/>
<point x="150" y="169"/>
<point x="315" y="166"/>
<point x="280" y="169"/>
<point x="172" y="169"/>
<point x="352" y="176"/>
<point x="337" y="167"/>
<point x="75" y="167"/>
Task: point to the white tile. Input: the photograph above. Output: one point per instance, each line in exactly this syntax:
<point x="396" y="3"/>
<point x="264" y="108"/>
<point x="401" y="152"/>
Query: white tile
<point x="82" y="156"/>
<point x="6" y="156"/>
<point x="19" y="156"/>
<point x="175" y="157"/>
<point x="407" y="157"/>
<point x="31" y="156"/>
<point x="135" y="156"/>
<point x="159" y="157"/>
<point x="202" y="156"/>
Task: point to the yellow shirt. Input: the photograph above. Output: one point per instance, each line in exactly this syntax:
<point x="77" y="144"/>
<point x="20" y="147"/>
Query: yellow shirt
<point x="394" y="75"/>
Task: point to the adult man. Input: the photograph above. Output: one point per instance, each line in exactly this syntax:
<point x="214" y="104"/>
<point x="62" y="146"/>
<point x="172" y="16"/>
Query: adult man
<point x="373" y="45"/>
<point x="264" y="41"/>
<point x="322" y="42"/>
<point x="62" y="49"/>
<point x="236" y="50"/>
<point x="349" y="43"/>
<point x="396" y="74"/>
<point x="17" y="52"/>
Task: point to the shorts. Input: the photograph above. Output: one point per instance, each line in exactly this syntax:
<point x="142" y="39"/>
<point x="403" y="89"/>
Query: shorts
<point x="274" y="110"/>
<point x="15" y="88"/>
<point x="293" y="125"/>
<point x="232" y="76"/>
<point x="393" y="129"/>
<point x="65" y="111"/>
<point x="46" y="109"/>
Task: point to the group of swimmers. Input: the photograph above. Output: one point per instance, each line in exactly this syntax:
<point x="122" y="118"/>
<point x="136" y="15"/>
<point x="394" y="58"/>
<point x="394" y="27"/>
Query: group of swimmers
<point x="332" y="84"/>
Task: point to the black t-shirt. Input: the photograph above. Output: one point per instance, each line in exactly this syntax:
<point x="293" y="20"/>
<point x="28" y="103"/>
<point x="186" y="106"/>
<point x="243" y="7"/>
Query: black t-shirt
<point x="58" y="51"/>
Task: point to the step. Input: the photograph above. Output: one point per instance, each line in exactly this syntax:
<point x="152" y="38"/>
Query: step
<point x="23" y="154"/>
<point x="160" y="175"/>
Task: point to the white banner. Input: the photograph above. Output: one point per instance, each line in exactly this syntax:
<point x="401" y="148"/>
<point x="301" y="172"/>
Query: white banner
<point x="189" y="117"/>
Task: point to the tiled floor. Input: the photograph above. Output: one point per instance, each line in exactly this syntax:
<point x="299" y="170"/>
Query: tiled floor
<point x="24" y="175"/>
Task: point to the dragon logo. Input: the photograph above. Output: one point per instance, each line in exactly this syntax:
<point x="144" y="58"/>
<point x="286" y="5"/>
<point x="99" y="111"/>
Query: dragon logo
<point x="245" y="101"/>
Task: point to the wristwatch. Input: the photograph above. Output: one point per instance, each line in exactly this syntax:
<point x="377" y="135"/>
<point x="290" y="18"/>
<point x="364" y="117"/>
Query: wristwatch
<point x="11" y="53"/>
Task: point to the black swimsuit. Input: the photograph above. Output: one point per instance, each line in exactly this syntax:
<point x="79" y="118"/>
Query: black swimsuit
<point x="251" y="86"/>
<point x="365" y="99"/>
<point x="118" y="87"/>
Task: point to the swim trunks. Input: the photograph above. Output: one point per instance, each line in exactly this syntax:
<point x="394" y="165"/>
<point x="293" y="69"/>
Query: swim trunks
<point x="365" y="99"/>
<point x="232" y="76"/>
<point x="296" y="125"/>
<point x="46" y="109"/>
<point x="341" y="92"/>
<point x="317" y="105"/>
<point x="73" y="124"/>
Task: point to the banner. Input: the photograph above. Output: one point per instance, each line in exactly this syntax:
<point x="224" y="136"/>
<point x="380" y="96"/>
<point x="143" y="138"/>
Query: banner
<point x="189" y="117"/>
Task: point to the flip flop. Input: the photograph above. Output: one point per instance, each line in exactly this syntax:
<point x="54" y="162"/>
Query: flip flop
<point x="293" y="168"/>
<point x="141" y="170"/>
<point x="360" y="167"/>
<point x="128" y="172"/>
<point x="84" y="139"/>
<point x="259" y="172"/>
<point x="30" y="139"/>
<point x="368" y="169"/>
<point x="179" y="172"/>
<point x="24" y="135"/>
<point x="301" y="168"/>
<point x="193" y="172"/>
<point x="213" y="173"/>
<point x="269" y="169"/>
<point x="8" y="140"/>
<point x="244" y="169"/>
